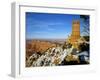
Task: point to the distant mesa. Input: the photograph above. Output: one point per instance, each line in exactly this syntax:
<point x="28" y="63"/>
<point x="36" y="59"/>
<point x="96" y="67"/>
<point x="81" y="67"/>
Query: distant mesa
<point x="37" y="46"/>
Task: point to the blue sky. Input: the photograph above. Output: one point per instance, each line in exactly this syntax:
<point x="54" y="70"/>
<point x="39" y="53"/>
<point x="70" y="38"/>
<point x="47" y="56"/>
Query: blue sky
<point x="49" y="26"/>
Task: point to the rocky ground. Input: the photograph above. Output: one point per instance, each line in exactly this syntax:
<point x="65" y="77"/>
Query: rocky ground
<point x="50" y="54"/>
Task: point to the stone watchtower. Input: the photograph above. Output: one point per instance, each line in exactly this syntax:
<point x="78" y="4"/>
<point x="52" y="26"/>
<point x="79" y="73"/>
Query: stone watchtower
<point x="75" y="35"/>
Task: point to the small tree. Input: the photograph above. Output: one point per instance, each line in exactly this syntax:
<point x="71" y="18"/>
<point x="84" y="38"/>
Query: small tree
<point x="85" y="25"/>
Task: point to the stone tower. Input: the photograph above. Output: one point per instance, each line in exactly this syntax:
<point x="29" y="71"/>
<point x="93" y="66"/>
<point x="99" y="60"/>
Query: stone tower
<point x="75" y="35"/>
